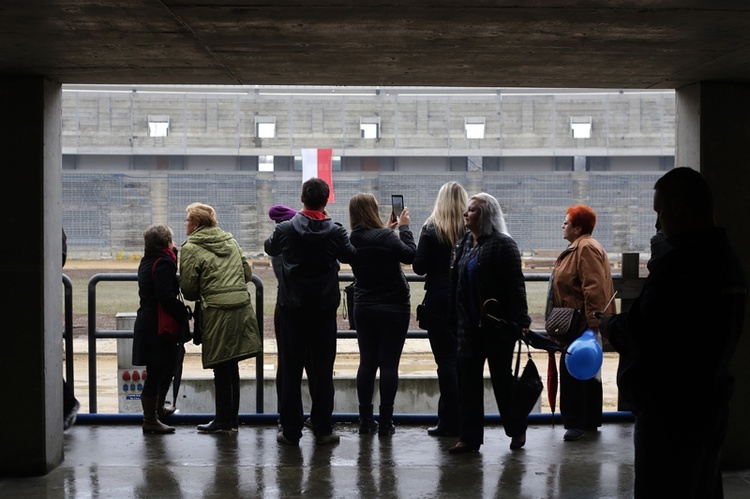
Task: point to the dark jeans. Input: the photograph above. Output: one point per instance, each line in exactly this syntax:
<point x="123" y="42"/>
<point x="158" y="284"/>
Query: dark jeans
<point x="580" y="401"/>
<point x="380" y="335"/>
<point x="679" y="455"/>
<point x="303" y="334"/>
<point x="277" y="318"/>
<point x="444" y="348"/>
<point x="477" y="346"/>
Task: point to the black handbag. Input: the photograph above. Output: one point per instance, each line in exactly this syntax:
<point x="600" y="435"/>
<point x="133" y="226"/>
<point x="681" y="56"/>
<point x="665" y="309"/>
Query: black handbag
<point x="349" y="305"/>
<point x="197" y="324"/>
<point x="421" y="315"/>
<point x="527" y="387"/>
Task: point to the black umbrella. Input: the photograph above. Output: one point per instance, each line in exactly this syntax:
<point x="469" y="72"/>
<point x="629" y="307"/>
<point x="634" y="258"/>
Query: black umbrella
<point x="542" y="341"/>
<point x="177" y="380"/>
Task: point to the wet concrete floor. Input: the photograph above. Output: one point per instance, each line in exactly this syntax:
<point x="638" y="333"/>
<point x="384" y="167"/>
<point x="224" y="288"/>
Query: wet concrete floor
<point x="118" y="461"/>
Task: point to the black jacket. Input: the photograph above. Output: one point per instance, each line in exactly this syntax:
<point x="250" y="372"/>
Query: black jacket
<point x="433" y="260"/>
<point x="679" y="335"/>
<point x="377" y="266"/>
<point x="157" y="282"/>
<point x="500" y="277"/>
<point x="311" y="251"/>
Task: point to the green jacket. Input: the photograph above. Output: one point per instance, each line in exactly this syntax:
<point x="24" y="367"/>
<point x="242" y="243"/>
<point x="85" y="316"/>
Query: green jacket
<point x="214" y="270"/>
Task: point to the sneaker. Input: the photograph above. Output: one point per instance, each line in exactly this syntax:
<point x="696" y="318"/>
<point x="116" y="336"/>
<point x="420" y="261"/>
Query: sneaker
<point x="573" y="434"/>
<point x="70" y="418"/>
<point x="333" y="438"/>
<point x="280" y="438"/>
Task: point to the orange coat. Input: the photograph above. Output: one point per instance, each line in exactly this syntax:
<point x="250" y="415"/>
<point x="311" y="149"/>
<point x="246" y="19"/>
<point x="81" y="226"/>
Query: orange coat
<point x="582" y="279"/>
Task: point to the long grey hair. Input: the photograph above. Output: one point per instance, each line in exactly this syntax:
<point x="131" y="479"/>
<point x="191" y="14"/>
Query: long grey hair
<point x="491" y="214"/>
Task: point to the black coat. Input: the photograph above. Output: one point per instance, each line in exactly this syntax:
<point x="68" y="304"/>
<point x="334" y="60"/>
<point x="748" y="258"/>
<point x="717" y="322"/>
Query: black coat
<point x="157" y="282"/>
<point x="311" y="251"/>
<point x="500" y="277"/>
<point x="379" y="278"/>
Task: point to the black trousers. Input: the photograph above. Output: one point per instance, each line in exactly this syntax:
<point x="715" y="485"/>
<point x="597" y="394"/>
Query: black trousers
<point x="444" y="348"/>
<point x="580" y="401"/>
<point x="679" y="455"/>
<point x="303" y="334"/>
<point x="497" y="349"/>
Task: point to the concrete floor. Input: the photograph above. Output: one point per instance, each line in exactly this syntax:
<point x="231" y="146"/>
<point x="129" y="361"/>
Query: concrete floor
<point x="118" y="461"/>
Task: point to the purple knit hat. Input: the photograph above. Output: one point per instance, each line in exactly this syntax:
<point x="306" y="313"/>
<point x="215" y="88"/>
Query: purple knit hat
<point x="279" y="213"/>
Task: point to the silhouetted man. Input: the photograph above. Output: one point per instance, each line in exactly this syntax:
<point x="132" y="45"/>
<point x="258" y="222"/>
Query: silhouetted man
<point x="679" y="337"/>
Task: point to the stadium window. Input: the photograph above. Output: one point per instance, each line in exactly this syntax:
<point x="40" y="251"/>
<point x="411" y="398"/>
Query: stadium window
<point x="474" y="127"/>
<point x="369" y="128"/>
<point x="580" y="127"/>
<point x="265" y="127"/>
<point x="265" y="163"/>
<point x="158" y="126"/>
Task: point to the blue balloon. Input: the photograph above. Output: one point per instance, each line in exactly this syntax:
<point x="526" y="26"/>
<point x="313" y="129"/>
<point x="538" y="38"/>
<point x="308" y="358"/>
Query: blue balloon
<point x="584" y="358"/>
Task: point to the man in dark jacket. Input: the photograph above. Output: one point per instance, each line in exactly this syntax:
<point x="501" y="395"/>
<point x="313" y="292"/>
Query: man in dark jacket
<point x="311" y="246"/>
<point x="678" y="339"/>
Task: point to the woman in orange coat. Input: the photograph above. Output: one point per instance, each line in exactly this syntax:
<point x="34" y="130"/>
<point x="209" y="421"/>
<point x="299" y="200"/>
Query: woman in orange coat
<point x="581" y="279"/>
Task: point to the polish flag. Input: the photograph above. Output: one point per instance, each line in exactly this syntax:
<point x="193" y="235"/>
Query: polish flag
<point x="316" y="163"/>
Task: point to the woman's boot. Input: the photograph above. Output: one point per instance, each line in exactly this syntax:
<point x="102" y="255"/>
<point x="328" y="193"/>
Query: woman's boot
<point x="386" y="421"/>
<point x="367" y="423"/>
<point x="163" y="410"/>
<point x="222" y="422"/>
<point x="151" y="423"/>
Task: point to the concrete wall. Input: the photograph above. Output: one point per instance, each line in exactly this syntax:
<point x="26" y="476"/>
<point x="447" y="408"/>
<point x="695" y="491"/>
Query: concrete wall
<point x="222" y="121"/>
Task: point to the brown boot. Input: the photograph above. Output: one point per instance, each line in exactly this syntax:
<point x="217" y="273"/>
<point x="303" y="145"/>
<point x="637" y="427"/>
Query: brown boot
<point x="162" y="410"/>
<point x="151" y="423"/>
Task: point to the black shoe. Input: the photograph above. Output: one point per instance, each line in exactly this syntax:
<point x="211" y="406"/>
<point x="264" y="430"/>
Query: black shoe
<point x="367" y="426"/>
<point x="215" y="427"/>
<point x="436" y="431"/>
<point x="69" y="419"/>
<point x="462" y="448"/>
<point x="386" y="430"/>
<point x="518" y="442"/>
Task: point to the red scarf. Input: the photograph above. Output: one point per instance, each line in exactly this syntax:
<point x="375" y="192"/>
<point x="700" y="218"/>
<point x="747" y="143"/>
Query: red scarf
<point x="314" y="214"/>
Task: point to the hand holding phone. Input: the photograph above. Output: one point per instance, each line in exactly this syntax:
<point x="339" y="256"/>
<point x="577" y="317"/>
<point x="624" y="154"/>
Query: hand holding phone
<point x="397" y="204"/>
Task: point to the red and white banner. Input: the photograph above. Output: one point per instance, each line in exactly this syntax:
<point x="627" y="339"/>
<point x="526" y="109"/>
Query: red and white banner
<point x="316" y="163"/>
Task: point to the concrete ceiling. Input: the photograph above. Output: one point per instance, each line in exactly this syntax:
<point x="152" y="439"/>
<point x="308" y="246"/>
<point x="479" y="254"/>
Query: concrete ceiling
<point x="627" y="44"/>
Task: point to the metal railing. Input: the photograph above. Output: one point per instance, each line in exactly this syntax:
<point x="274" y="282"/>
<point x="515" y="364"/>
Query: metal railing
<point x="628" y="285"/>
<point x="95" y="334"/>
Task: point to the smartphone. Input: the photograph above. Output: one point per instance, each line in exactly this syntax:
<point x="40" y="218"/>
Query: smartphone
<point x="397" y="202"/>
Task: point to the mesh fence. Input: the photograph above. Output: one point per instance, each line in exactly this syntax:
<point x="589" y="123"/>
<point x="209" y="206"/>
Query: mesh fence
<point x="105" y="214"/>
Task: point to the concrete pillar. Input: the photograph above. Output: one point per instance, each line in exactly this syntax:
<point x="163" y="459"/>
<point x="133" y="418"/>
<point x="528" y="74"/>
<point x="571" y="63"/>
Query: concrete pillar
<point x="31" y="426"/>
<point x="713" y="130"/>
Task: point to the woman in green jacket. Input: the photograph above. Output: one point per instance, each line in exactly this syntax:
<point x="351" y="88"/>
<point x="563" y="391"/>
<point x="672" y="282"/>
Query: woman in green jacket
<point x="214" y="270"/>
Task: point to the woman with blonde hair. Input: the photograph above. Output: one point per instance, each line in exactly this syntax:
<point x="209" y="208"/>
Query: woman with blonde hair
<point x="382" y="307"/>
<point x="440" y="233"/>
<point x="214" y="270"/>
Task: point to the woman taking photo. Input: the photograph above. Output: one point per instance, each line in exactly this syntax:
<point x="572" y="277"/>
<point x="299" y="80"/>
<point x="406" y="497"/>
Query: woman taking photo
<point x="487" y="266"/>
<point x="382" y="307"/>
<point x="440" y="233"/>
<point x="153" y="347"/>
<point x="214" y="270"/>
<point x="581" y="279"/>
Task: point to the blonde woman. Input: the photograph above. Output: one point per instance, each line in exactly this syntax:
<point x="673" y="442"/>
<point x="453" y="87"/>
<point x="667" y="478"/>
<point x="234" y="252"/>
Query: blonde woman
<point x="440" y="233"/>
<point x="214" y="270"/>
